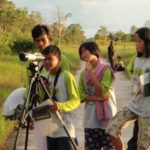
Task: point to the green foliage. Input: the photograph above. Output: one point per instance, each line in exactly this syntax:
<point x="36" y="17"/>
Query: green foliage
<point x="73" y="34"/>
<point x="12" y="76"/>
<point x="22" y="44"/>
<point x="4" y="42"/>
<point x="6" y="127"/>
<point x="10" y="68"/>
<point x="15" y="27"/>
<point x="71" y="52"/>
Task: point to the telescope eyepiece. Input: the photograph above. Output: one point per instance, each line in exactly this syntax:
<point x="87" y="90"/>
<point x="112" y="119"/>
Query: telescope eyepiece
<point x="22" y="56"/>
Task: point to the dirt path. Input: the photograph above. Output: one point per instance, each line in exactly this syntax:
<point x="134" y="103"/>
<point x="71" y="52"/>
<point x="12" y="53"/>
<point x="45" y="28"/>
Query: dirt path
<point x="122" y="88"/>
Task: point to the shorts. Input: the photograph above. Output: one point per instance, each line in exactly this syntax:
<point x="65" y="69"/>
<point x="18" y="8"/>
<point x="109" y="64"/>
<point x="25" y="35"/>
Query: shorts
<point x="96" y="139"/>
<point x="125" y="116"/>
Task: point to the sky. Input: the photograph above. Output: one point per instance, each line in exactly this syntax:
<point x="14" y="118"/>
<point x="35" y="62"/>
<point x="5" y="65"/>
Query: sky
<point x="115" y="15"/>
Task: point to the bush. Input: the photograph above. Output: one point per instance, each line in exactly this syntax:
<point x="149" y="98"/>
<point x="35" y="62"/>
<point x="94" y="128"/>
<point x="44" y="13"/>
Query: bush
<point x="22" y="45"/>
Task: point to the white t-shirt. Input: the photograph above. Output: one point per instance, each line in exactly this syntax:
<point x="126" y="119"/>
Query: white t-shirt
<point x="13" y="100"/>
<point x="139" y="104"/>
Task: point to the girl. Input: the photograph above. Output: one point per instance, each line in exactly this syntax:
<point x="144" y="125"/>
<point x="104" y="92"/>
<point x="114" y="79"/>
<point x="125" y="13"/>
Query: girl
<point x="138" y="107"/>
<point x="95" y="88"/>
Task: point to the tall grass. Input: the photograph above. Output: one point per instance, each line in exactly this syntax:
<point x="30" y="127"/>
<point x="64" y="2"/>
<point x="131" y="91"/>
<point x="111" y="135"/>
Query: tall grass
<point x="11" y="77"/>
<point x="6" y="128"/>
<point x="71" y="52"/>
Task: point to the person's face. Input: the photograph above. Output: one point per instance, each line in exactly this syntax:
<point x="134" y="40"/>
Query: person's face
<point x="42" y="42"/>
<point x="139" y="43"/>
<point x="86" y="55"/>
<point x="51" y="62"/>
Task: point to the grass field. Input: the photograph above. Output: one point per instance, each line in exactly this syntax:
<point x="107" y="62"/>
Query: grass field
<point x="126" y="51"/>
<point x="13" y="75"/>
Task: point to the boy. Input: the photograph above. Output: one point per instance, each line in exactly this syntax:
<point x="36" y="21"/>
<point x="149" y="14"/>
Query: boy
<point x="41" y="37"/>
<point x="65" y="96"/>
<point x="119" y="66"/>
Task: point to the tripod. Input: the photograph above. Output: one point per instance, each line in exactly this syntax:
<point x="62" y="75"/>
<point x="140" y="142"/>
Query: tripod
<point x="36" y="80"/>
<point x="24" y="118"/>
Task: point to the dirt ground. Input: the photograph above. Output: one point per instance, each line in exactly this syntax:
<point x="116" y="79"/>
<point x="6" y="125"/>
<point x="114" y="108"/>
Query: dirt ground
<point x="122" y="87"/>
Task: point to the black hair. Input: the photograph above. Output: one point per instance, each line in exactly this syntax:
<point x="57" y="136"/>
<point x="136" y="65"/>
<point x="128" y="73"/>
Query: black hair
<point x="144" y="34"/>
<point x="40" y="29"/>
<point x="92" y="47"/>
<point x="119" y="57"/>
<point x="52" y="49"/>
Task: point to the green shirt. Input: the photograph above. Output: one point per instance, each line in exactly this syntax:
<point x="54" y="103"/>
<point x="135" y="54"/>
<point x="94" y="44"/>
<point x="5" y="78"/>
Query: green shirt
<point x="105" y="83"/>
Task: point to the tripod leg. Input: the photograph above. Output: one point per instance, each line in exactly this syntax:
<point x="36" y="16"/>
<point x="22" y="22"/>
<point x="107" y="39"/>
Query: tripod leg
<point x="20" y="125"/>
<point x="16" y="139"/>
<point x="27" y="133"/>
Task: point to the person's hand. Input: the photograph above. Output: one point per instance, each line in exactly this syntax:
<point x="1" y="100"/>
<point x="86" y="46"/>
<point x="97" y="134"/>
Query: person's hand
<point x="89" y="67"/>
<point x="55" y="107"/>
<point x="31" y="124"/>
<point x="106" y="96"/>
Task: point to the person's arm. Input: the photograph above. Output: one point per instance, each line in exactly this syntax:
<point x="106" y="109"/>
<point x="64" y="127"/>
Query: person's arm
<point x="130" y="67"/>
<point x="105" y="85"/>
<point x="106" y="81"/>
<point x="74" y="100"/>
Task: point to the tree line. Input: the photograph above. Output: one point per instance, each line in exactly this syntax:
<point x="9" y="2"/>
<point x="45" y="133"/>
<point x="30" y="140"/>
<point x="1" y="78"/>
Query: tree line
<point x="16" y="25"/>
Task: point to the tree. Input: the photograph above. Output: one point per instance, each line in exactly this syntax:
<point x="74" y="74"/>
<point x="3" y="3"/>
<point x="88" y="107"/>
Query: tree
<point x="132" y="31"/>
<point x="76" y="34"/>
<point x="60" y="20"/>
<point x="7" y="14"/>
<point x="101" y="35"/>
<point x="15" y="27"/>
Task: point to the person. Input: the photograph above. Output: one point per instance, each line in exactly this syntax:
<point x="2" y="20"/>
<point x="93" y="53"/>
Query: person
<point x="138" y="107"/>
<point x="111" y="54"/>
<point x="132" y="143"/>
<point x="62" y="86"/>
<point x="13" y="104"/>
<point x="42" y="39"/>
<point x="119" y="66"/>
<point x="96" y="90"/>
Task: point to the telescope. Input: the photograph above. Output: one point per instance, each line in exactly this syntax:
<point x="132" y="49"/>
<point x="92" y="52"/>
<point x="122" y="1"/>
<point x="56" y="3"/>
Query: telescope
<point x="31" y="57"/>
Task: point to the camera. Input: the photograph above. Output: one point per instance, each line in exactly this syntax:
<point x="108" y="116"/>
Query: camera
<point x="32" y="57"/>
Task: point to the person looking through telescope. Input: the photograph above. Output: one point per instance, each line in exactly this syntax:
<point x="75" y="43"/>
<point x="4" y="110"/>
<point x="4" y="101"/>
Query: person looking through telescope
<point x="62" y="86"/>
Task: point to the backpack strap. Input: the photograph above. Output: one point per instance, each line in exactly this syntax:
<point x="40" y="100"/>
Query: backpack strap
<point x="54" y="85"/>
